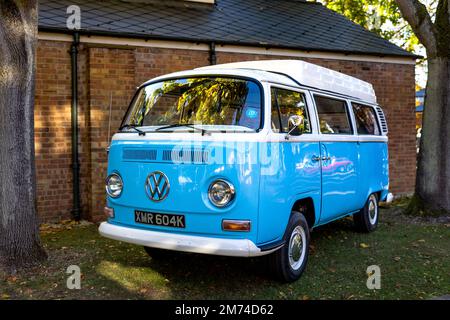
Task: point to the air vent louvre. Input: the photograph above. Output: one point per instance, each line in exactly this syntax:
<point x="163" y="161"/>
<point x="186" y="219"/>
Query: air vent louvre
<point x="139" y="155"/>
<point x="383" y="122"/>
<point x="186" y="156"/>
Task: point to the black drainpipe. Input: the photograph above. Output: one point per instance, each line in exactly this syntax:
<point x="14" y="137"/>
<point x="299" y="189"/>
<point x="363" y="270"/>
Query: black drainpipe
<point x="212" y="53"/>
<point x="76" y="213"/>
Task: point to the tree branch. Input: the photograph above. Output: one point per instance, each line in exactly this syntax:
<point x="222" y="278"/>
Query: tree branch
<point x="418" y="17"/>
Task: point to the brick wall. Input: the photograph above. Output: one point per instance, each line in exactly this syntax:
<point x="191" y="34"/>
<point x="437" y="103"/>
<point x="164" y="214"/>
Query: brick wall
<point x="111" y="82"/>
<point x="53" y="130"/>
<point x="117" y="71"/>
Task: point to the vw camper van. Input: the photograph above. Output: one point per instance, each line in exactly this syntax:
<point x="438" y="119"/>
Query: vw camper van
<point x="245" y="159"/>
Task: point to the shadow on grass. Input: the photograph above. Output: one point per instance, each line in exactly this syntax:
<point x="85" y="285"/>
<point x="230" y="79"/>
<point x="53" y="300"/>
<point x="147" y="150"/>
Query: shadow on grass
<point x="197" y="276"/>
<point x="192" y="276"/>
<point x="414" y="259"/>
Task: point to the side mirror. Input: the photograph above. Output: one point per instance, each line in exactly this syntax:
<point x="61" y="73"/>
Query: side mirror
<point x="295" y="126"/>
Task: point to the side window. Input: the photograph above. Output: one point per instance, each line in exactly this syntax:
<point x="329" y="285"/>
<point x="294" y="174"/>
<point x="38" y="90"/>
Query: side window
<point x="333" y="116"/>
<point x="366" y="120"/>
<point x="286" y="103"/>
<point x="276" y="124"/>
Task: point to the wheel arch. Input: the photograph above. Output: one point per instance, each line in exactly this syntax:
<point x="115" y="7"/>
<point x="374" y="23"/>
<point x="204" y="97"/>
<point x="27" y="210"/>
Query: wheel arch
<point x="378" y="193"/>
<point x="306" y="207"/>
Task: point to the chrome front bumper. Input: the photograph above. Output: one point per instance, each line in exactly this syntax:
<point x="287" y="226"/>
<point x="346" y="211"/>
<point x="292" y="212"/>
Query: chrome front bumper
<point x="181" y="242"/>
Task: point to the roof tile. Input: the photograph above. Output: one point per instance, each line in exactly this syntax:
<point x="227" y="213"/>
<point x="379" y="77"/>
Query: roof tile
<point x="291" y="24"/>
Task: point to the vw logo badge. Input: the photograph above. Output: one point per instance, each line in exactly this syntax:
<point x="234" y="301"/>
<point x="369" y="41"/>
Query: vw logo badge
<point x="157" y="186"/>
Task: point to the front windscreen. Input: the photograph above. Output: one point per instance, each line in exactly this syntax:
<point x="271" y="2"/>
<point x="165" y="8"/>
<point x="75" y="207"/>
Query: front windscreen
<point x="214" y="103"/>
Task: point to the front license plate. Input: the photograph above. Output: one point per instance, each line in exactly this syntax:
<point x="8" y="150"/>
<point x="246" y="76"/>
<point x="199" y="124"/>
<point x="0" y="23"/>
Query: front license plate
<point x="160" y="219"/>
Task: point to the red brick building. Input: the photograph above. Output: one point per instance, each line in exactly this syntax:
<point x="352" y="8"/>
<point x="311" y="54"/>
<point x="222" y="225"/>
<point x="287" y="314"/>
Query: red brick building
<point x="124" y="43"/>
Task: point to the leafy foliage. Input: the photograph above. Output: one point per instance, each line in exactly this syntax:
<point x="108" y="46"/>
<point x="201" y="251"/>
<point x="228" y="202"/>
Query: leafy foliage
<point x="382" y="17"/>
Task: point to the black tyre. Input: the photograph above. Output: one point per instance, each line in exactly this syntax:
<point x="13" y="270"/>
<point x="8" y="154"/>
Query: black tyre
<point x="366" y="220"/>
<point x="157" y="253"/>
<point x="288" y="263"/>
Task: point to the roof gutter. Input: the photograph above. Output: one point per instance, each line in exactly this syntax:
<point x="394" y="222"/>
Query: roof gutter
<point x="406" y="55"/>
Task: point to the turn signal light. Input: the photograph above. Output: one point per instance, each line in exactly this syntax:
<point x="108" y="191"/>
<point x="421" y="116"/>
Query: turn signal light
<point x="236" y="225"/>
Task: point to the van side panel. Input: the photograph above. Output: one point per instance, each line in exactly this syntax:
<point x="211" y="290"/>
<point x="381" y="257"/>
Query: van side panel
<point x="289" y="174"/>
<point x="374" y="170"/>
<point x="339" y="179"/>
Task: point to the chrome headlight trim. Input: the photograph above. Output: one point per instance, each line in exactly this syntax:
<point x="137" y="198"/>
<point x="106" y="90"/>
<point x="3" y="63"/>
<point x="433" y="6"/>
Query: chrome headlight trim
<point x="118" y="181"/>
<point x="228" y="189"/>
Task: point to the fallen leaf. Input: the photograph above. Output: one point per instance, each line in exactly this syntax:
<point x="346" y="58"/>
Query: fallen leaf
<point x="397" y="259"/>
<point x="364" y="245"/>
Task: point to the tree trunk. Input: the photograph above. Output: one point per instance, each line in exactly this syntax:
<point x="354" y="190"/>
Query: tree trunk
<point x="19" y="229"/>
<point x="433" y="172"/>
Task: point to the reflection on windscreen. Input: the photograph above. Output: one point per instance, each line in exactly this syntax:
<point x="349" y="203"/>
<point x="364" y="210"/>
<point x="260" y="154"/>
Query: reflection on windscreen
<point x="206" y="101"/>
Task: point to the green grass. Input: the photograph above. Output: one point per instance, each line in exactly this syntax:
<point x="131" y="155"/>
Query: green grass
<point x="414" y="257"/>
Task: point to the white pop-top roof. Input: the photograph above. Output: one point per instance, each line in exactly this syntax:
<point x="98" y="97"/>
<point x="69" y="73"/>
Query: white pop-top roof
<point x="309" y="75"/>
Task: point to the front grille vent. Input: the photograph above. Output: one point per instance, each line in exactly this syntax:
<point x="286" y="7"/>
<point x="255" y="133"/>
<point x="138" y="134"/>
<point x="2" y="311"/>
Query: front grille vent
<point x="139" y="155"/>
<point x="185" y="156"/>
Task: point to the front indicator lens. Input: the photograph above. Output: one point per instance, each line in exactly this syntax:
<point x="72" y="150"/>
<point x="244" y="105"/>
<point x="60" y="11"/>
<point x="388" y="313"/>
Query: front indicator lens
<point x="236" y="225"/>
<point x="114" y="185"/>
<point x="221" y="193"/>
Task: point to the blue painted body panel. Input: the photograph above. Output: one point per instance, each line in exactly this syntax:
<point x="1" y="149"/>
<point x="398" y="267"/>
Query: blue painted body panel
<point x="373" y="170"/>
<point x="292" y="175"/>
<point x="189" y="183"/>
<point x="339" y="180"/>
<point x="266" y="190"/>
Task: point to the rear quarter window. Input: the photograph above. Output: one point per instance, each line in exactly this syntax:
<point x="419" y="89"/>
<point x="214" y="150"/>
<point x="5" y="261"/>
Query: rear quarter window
<point x="366" y="120"/>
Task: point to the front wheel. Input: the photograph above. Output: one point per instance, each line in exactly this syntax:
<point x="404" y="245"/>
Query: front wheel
<point x="289" y="262"/>
<point x="366" y="220"/>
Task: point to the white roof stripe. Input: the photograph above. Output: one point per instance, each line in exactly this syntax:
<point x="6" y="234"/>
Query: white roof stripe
<point x="310" y="75"/>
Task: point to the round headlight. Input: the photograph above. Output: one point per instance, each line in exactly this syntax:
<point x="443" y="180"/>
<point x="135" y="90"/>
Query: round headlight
<point x="221" y="193"/>
<point x="114" y="185"/>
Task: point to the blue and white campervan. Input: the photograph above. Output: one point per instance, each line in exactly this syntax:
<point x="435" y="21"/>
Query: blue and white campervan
<point x="245" y="159"/>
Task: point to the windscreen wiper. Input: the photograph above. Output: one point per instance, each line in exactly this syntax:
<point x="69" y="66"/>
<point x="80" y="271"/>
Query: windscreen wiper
<point x="132" y="126"/>
<point x="178" y="125"/>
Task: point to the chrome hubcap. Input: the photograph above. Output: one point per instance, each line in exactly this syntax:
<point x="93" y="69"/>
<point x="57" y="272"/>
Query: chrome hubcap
<point x="373" y="210"/>
<point x="297" y="248"/>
